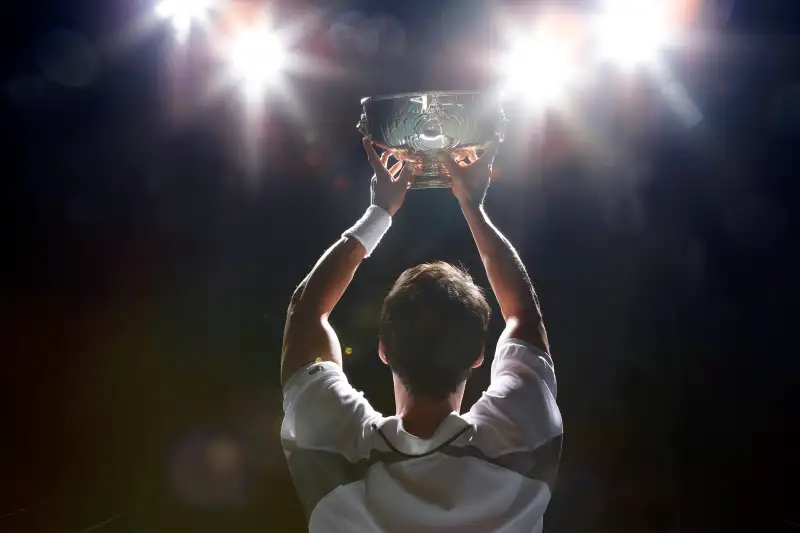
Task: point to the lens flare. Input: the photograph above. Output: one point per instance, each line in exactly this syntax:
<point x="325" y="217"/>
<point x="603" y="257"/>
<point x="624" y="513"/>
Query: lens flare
<point x="539" y="69"/>
<point x="634" y="32"/>
<point x="257" y="55"/>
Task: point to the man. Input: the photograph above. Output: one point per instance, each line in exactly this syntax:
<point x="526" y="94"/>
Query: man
<point x="428" y="468"/>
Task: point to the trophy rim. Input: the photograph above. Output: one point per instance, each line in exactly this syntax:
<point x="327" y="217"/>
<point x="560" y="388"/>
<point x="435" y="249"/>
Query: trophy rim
<point x="366" y="99"/>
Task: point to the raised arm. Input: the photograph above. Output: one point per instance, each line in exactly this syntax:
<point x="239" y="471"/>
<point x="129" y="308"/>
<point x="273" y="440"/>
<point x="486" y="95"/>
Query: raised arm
<point x="510" y="282"/>
<point x="308" y="335"/>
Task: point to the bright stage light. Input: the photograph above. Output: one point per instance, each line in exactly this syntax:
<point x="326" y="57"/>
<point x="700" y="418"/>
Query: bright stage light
<point x="633" y="32"/>
<point x="183" y="13"/>
<point x="256" y="57"/>
<point x="539" y="69"/>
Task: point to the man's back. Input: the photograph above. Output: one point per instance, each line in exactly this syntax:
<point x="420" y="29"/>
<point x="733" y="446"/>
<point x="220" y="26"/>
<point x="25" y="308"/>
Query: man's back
<point x="491" y="469"/>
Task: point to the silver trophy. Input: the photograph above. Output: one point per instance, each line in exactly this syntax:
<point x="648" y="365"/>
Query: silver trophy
<point x="416" y="127"/>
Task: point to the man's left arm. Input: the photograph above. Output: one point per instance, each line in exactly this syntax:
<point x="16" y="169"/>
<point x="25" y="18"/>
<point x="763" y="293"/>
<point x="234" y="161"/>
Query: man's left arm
<point x="308" y="335"/>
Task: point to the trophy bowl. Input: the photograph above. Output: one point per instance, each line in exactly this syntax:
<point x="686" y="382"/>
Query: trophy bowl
<point x="416" y="127"/>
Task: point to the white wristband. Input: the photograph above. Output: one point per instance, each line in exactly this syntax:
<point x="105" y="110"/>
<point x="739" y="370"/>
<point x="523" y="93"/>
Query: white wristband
<point x="370" y="228"/>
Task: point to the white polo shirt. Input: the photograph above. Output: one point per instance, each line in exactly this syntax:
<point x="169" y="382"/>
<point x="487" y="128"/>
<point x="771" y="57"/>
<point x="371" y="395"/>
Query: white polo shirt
<point x="488" y="470"/>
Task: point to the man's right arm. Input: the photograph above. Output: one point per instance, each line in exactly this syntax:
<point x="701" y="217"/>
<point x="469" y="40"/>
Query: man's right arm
<point x="508" y="278"/>
<point x="507" y="275"/>
<point x="520" y="403"/>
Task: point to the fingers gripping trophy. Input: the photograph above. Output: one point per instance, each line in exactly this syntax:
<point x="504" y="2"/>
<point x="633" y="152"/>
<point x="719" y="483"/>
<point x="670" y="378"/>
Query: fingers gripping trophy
<point x="418" y="129"/>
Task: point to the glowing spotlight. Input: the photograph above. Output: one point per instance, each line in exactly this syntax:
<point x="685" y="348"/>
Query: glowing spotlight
<point x="633" y="32"/>
<point x="539" y="69"/>
<point x="256" y="57"/>
<point x="183" y="13"/>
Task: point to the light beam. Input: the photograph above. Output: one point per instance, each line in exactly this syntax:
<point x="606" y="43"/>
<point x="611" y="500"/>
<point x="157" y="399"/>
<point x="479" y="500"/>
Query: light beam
<point x="182" y="14"/>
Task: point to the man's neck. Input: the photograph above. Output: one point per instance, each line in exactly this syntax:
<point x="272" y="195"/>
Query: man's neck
<point x="422" y="417"/>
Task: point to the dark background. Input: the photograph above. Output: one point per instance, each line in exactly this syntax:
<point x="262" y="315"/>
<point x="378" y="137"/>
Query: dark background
<point x="149" y="265"/>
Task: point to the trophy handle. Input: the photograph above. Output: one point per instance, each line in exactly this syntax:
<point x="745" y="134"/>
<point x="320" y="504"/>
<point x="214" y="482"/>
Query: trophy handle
<point x="362" y="125"/>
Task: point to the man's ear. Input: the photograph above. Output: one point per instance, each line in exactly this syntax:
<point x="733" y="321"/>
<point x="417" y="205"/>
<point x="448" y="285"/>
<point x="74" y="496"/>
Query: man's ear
<point x="479" y="361"/>
<point x="382" y="352"/>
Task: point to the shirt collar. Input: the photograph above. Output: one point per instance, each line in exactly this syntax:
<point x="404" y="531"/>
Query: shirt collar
<point x="392" y="430"/>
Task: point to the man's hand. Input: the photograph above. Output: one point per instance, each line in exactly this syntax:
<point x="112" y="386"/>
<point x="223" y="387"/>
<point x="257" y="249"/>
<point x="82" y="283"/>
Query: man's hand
<point x="471" y="179"/>
<point x="388" y="192"/>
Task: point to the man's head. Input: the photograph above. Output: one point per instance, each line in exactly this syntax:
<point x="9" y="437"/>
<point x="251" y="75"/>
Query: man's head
<point x="433" y="329"/>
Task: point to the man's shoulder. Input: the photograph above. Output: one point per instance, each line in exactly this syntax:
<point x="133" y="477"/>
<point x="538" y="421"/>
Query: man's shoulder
<point x="322" y="411"/>
<point x="518" y="411"/>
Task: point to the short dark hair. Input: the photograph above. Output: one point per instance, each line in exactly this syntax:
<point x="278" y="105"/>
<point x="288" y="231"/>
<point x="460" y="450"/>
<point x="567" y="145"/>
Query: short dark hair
<point x="433" y="328"/>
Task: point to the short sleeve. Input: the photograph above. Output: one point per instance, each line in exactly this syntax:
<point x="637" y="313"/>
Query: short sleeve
<point x="520" y="403"/>
<point x="322" y="411"/>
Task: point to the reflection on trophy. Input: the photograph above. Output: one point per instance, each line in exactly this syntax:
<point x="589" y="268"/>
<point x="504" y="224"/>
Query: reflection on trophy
<point x="416" y="127"/>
